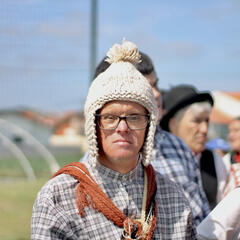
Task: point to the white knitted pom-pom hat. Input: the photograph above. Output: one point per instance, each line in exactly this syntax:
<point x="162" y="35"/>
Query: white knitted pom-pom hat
<point x="120" y="81"/>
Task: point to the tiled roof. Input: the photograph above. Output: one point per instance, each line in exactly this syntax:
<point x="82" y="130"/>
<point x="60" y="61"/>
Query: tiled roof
<point x="226" y="106"/>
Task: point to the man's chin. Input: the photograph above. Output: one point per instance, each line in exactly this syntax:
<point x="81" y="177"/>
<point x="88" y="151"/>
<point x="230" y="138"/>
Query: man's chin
<point x="122" y="155"/>
<point x="199" y="148"/>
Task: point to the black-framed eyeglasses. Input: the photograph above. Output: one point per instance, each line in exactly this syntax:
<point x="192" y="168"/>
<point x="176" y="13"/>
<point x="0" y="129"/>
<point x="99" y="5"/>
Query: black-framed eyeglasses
<point x="111" y="121"/>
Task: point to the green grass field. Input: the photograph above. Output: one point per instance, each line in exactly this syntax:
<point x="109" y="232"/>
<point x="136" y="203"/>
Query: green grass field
<point x="17" y="194"/>
<point x="16" y="200"/>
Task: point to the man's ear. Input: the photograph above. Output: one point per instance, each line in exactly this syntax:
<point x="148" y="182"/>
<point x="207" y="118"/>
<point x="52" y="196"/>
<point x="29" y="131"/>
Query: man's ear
<point x="172" y="124"/>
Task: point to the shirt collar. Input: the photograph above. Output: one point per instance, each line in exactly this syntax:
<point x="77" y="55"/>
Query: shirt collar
<point x="104" y="174"/>
<point x="198" y="156"/>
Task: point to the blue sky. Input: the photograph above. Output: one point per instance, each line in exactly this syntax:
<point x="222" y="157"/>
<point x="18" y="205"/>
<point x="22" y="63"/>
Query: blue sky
<point x="44" y="45"/>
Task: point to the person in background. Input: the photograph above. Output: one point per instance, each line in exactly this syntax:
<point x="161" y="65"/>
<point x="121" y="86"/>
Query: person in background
<point x="232" y="159"/>
<point x="234" y="139"/>
<point x="171" y="156"/>
<point x="223" y="221"/>
<point x="187" y="116"/>
<point x="115" y="193"/>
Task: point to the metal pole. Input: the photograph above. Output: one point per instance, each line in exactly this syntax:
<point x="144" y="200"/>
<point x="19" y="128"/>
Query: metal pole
<point x="93" y="38"/>
<point x="53" y="164"/>
<point x="19" y="155"/>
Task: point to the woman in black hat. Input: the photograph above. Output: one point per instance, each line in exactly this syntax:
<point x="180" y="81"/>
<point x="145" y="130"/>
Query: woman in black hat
<point x="187" y="116"/>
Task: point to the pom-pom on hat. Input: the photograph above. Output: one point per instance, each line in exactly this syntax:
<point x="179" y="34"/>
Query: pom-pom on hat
<point x="121" y="81"/>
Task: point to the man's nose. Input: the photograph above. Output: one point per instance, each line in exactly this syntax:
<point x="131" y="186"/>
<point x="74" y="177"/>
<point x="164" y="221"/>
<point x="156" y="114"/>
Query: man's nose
<point x="122" y="125"/>
<point x="156" y="94"/>
<point x="204" y="126"/>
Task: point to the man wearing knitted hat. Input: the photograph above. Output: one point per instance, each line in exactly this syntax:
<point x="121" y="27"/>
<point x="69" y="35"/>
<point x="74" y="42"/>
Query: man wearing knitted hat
<point x="171" y="157"/>
<point x="115" y="194"/>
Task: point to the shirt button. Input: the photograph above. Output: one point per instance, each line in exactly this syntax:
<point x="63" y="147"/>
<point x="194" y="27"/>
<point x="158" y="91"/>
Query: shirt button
<point x="124" y="178"/>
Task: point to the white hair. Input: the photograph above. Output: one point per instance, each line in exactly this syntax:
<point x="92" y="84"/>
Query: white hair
<point x="197" y="108"/>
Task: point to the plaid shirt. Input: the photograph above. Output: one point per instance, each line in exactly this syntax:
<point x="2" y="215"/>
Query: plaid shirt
<point x="172" y="158"/>
<point x="55" y="215"/>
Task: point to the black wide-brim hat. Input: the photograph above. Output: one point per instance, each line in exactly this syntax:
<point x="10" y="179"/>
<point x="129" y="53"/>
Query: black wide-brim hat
<point x="179" y="97"/>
